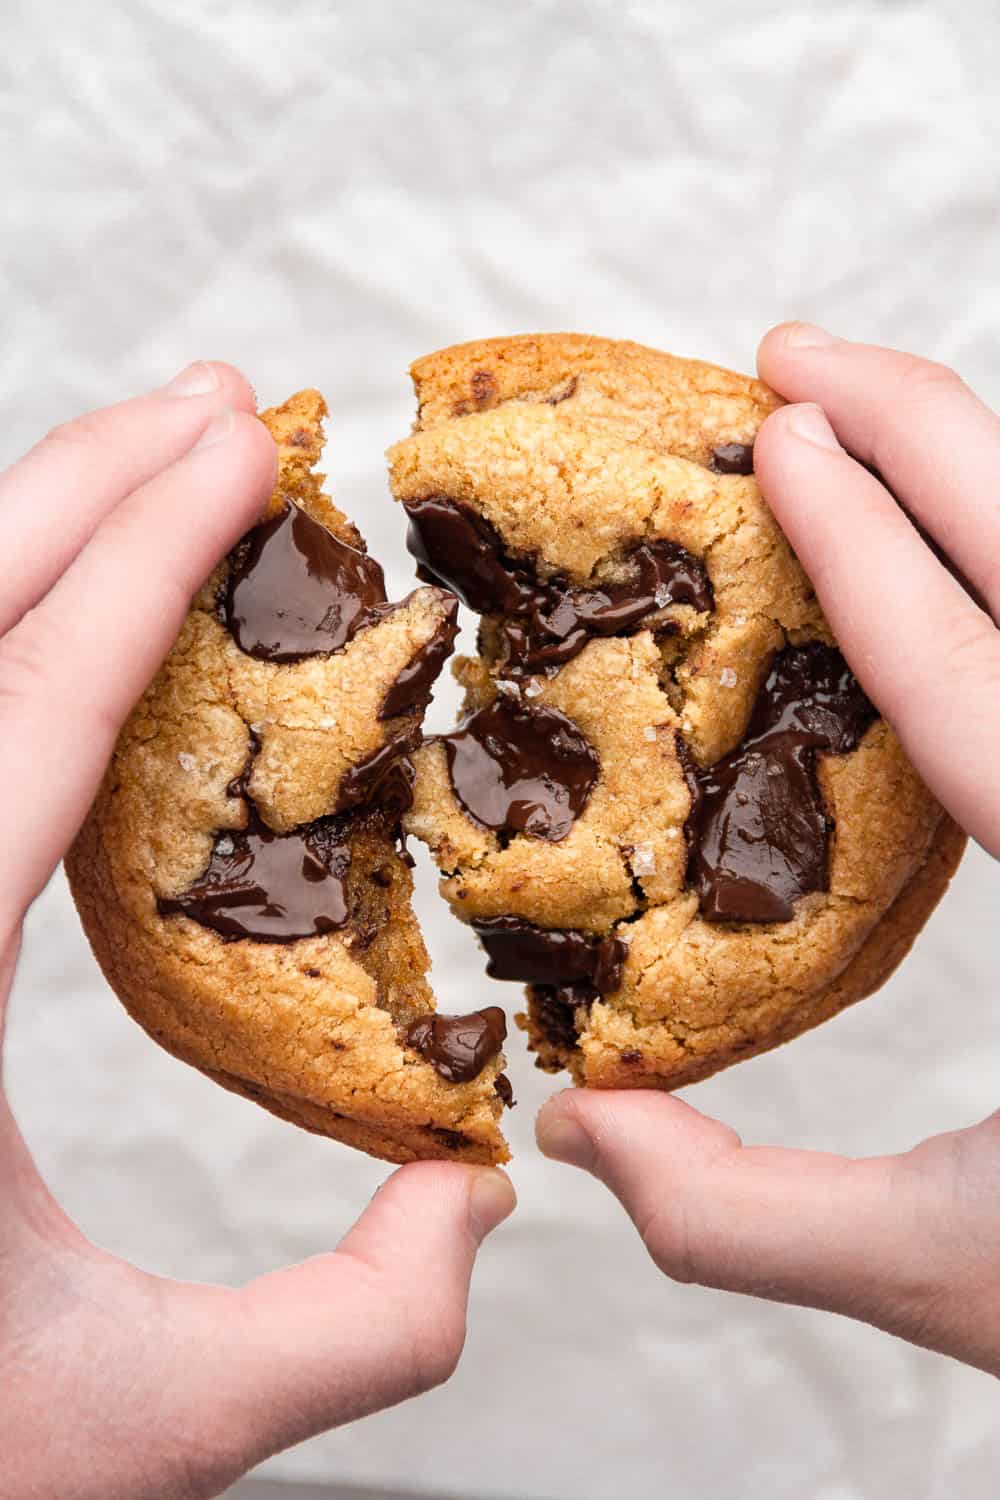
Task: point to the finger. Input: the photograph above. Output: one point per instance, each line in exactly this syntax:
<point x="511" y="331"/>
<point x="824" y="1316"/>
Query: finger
<point x="926" y="656"/>
<point x="379" y="1320"/>
<point x="866" y="1238"/>
<point x="918" y="423"/>
<point x="53" y="499"/>
<point x="73" y="667"/>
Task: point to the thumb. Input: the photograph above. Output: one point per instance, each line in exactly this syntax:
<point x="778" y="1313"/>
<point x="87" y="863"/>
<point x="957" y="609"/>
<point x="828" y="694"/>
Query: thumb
<point x="377" y="1321"/>
<point x="874" y="1239"/>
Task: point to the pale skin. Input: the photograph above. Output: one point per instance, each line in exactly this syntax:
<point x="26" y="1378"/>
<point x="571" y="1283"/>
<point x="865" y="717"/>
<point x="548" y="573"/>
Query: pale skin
<point x="116" y="1382"/>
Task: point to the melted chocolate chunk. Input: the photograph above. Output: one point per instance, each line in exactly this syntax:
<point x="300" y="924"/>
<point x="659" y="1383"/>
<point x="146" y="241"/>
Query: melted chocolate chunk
<point x="552" y="621"/>
<point x="553" y="1010"/>
<point x="759" y="832"/>
<point x="271" y="887"/>
<point x="296" y="590"/>
<point x="657" y="574"/>
<point x="411" y="692"/>
<point x="460" y="549"/>
<point x="238" y="786"/>
<point x="385" y="777"/>
<point x="549" y="956"/>
<point x="732" y="458"/>
<point x="521" y="770"/>
<point x="459" y="1047"/>
<point x="503" y="1086"/>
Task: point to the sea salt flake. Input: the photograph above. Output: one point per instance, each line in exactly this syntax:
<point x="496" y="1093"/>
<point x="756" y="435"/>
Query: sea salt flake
<point x="187" y="761"/>
<point x="739" y="619"/>
<point x="643" y="860"/>
<point x="224" y="845"/>
<point x="662" y="595"/>
<point x="672" y="833"/>
<point x="728" y="677"/>
<point x="687" y="726"/>
<point x="649" y="733"/>
<point x="532" y="688"/>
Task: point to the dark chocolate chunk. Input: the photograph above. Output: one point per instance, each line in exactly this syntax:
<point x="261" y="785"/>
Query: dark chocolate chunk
<point x="505" y="1089"/>
<point x="459" y="1047"/>
<point x="656" y="574"/>
<point x="553" y="1010"/>
<point x="452" y="1140"/>
<point x="384" y="777"/>
<point x="759" y="832"/>
<point x="548" y="623"/>
<point x="551" y="956"/>
<point x="268" y="886"/>
<point x="460" y="549"/>
<point x="732" y="458"/>
<point x="238" y="786"/>
<point x="296" y="590"/>
<point x="411" y="692"/>
<point x="516" y="769"/>
<point x="483" y="388"/>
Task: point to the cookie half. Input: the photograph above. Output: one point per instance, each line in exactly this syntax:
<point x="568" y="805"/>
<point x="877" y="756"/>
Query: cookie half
<point x="241" y="875"/>
<point x="669" y="807"/>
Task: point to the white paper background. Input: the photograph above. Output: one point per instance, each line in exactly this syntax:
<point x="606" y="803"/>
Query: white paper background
<point x="320" y="192"/>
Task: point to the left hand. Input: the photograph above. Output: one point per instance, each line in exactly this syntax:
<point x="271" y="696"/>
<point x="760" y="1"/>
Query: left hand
<point x="119" y="1385"/>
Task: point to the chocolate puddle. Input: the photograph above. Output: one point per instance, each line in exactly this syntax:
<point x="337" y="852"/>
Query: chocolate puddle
<point x="296" y="590"/>
<point x="271" y="887"/>
<point x="516" y="769"/>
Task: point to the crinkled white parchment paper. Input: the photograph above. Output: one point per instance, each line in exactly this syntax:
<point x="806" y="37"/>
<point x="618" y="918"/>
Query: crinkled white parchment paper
<point x="320" y="192"/>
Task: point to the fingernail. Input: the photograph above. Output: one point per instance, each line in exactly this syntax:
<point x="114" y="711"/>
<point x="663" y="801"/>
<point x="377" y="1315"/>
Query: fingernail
<point x="491" y="1199"/>
<point x="808" y="336"/>
<point x="564" y="1139"/>
<point x="199" y="379"/>
<point x="809" y="422"/>
<point x="217" y="430"/>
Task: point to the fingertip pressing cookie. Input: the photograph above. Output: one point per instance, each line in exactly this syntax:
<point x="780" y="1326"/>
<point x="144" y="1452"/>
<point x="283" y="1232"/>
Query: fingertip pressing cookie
<point x="241" y="875"/>
<point x="669" y="808"/>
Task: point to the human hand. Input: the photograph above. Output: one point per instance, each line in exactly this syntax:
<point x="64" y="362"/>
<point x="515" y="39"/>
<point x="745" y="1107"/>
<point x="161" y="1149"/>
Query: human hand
<point x="910" y="1243"/>
<point x="117" y="1383"/>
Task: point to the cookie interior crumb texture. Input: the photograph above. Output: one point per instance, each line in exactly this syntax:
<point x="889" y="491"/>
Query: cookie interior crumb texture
<point x="241" y="875"/>
<point x="669" y="809"/>
<point x="755" y="842"/>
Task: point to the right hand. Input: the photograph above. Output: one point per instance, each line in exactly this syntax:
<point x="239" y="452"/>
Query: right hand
<point x="910" y="1243"/>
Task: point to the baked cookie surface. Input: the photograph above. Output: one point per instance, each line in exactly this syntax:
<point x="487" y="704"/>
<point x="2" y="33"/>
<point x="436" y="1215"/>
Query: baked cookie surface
<point x="669" y="808"/>
<point x="241" y="875"/>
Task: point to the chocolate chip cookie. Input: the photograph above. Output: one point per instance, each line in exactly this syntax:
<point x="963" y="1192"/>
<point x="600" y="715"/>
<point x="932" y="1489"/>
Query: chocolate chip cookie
<point x="669" y="808"/>
<point x="242" y="876"/>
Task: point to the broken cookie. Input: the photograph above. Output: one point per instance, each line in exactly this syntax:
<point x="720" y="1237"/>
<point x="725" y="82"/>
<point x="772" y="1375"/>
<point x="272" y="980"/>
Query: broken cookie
<point x="749" y="839"/>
